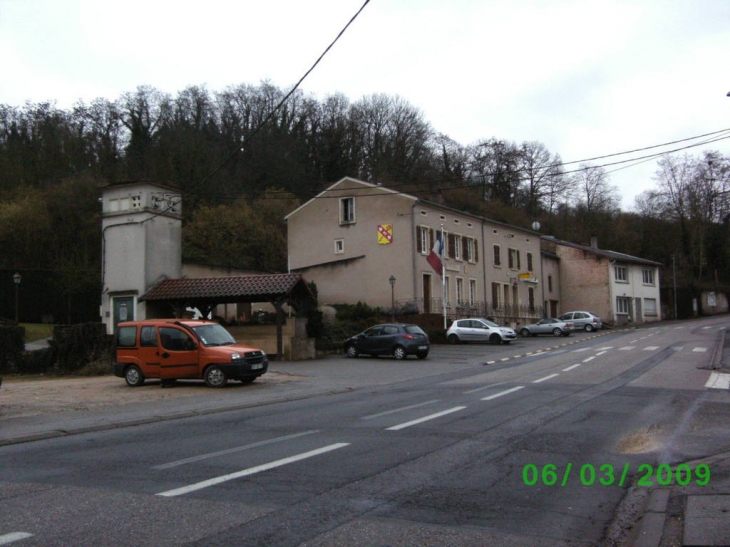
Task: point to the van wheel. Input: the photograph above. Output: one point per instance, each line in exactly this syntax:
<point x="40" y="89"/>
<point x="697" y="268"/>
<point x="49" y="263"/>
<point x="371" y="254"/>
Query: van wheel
<point x="134" y="376"/>
<point x="215" y="377"/>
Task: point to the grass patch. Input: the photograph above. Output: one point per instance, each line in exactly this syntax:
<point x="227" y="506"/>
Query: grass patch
<point x="37" y="331"/>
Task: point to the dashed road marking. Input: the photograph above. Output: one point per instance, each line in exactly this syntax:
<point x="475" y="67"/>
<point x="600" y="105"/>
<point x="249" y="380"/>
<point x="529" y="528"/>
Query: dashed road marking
<point x="13" y="536"/>
<point x="545" y="378"/>
<point x="699" y="350"/>
<point x="651" y="348"/>
<point x="626" y="348"/>
<point x="250" y="471"/>
<point x="425" y="418"/>
<point x="718" y="380"/>
<point x="512" y="390"/>
<point x="571" y="367"/>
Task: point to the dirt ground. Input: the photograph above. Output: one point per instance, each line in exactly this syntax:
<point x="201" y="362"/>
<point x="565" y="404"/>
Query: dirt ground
<point x="32" y="396"/>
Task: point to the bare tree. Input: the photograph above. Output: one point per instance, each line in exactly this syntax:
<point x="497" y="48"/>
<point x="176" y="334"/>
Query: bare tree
<point x="593" y="192"/>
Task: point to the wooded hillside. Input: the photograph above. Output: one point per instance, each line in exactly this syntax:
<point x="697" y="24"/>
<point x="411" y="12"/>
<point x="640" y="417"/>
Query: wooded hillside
<point x="241" y="165"/>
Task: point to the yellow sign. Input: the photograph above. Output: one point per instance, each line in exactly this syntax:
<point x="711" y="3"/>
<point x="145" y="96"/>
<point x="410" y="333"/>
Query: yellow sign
<point x="525" y="275"/>
<point x="385" y="234"/>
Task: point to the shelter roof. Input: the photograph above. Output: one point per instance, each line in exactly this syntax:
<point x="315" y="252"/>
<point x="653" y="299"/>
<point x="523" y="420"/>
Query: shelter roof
<point x="247" y="288"/>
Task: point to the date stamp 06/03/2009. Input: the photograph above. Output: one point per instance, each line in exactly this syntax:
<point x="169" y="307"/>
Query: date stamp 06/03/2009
<point x="609" y="475"/>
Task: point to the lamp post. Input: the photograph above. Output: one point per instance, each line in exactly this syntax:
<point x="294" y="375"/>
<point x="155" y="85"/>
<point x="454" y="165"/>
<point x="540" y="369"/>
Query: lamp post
<point x="16" y="279"/>
<point x="392" y="298"/>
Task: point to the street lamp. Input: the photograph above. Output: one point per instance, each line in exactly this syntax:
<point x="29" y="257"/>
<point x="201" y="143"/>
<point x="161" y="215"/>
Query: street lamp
<point x="392" y="298"/>
<point x="16" y="279"/>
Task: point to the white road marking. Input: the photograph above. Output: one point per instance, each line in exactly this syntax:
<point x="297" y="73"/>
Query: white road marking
<point x="605" y="348"/>
<point x="651" y="348"/>
<point x="589" y="359"/>
<point x="232" y="450"/>
<point x="580" y="349"/>
<point x="700" y="350"/>
<point x="512" y="390"/>
<point x="396" y="410"/>
<point x="13" y="536"/>
<point x="484" y="387"/>
<point x="250" y="471"/>
<point x="600" y="353"/>
<point x="626" y="348"/>
<point x="571" y="367"/>
<point x="546" y="378"/>
<point x="718" y="380"/>
<point x="425" y="419"/>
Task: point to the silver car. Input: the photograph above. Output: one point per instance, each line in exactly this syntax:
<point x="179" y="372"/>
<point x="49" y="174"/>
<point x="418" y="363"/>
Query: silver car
<point x="583" y="320"/>
<point x="552" y="326"/>
<point x="479" y="330"/>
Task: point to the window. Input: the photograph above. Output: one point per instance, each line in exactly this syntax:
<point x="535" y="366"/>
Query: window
<point x="339" y="246"/>
<point x="472" y="291"/>
<point x="529" y="262"/>
<point x="550" y="283"/>
<point x="175" y="339"/>
<point x="622" y="305"/>
<point x="497" y="256"/>
<point x="459" y="291"/>
<point x="648" y="277"/>
<point x="650" y="306"/>
<point x="621" y="273"/>
<point x="127" y="337"/>
<point x="347" y="210"/>
<point x="469" y="249"/>
<point x="457" y="247"/>
<point x="148" y="337"/>
<point x="514" y="259"/>
<point x="423" y="241"/>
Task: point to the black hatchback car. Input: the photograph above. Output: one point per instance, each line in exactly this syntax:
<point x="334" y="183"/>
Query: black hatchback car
<point x="397" y="339"/>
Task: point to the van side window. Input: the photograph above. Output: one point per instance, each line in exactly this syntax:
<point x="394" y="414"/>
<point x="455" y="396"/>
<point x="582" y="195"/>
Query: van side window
<point x="175" y="340"/>
<point x="127" y="337"/>
<point x="148" y="337"/>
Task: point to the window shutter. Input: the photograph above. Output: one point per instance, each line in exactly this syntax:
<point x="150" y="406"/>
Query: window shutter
<point x="419" y="241"/>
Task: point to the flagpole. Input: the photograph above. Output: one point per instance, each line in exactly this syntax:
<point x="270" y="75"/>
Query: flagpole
<point x="443" y="275"/>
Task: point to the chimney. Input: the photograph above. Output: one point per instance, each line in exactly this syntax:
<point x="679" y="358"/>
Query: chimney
<point x="594" y="242"/>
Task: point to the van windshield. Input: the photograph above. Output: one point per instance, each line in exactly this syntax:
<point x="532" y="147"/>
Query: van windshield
<point x="214" y="335"/>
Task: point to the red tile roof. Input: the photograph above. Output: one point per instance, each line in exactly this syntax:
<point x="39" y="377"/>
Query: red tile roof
<point x="249" y="288"/>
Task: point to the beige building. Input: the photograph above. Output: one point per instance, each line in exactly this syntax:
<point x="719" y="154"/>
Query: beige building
<point x="354" y="237"/>
<point x="619" y="288"/>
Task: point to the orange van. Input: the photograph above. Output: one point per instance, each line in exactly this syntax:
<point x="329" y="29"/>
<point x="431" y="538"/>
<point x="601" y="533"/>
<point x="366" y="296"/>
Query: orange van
<point x="172" y="349"/>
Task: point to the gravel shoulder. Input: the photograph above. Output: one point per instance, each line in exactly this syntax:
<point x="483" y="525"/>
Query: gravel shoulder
<point x="20" y="397"/>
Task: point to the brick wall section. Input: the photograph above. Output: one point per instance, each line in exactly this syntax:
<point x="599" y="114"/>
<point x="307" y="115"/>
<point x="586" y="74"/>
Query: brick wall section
<point x="584" y="282"/>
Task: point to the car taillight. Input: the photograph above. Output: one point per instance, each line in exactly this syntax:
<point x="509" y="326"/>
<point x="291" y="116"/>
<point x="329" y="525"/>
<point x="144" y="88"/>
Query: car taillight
<point x="408" y="337"/>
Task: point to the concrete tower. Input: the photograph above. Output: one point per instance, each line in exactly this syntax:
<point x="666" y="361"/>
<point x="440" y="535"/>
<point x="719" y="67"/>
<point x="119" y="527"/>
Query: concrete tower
<point x="141" y="237"/>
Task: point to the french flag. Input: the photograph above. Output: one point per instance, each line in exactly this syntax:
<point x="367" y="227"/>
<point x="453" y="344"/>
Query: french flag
<point x="436" y="254"/>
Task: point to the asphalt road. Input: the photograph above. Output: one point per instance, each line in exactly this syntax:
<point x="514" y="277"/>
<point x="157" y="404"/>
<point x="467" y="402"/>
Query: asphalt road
<point x="543" y="442"/>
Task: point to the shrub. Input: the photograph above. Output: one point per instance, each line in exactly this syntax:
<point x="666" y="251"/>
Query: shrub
<point x="78" y="345"/>
<point x="12" y="344"/>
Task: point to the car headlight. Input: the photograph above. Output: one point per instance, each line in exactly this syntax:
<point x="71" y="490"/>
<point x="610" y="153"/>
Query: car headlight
<point x="235" y="356"/>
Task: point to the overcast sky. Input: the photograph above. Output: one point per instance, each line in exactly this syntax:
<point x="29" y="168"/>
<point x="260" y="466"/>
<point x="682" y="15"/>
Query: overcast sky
<point x="586" y="78"/>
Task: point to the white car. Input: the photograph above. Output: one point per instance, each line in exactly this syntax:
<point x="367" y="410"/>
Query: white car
<point x="479" y="330"/>
<point x="583" y="320"/>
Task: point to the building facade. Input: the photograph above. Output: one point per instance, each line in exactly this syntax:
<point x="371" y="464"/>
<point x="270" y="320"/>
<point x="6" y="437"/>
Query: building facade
<point x="620" y="288"/>
<point x="354" y="238"/>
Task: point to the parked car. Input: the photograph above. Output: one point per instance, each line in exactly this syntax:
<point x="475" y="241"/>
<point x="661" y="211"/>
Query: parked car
<point x="550" y="325"/>
<point x="172" y="349"/>
<point x="583" y="320"/>
<point x="397" y="339"/>
<point x="479" y="330"/>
